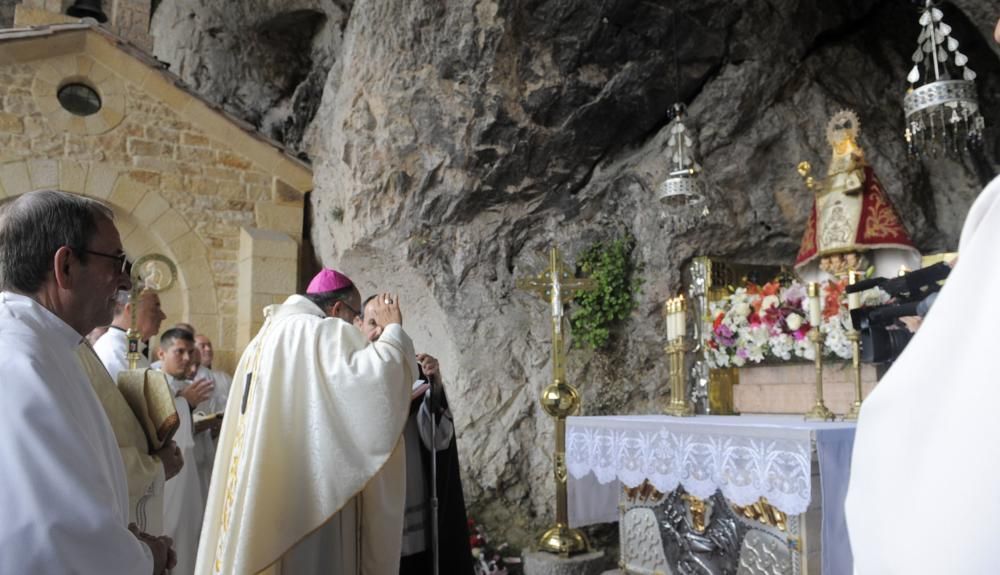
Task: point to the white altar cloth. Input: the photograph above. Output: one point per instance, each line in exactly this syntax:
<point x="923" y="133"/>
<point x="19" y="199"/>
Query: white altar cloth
<point x="745" y="457"/>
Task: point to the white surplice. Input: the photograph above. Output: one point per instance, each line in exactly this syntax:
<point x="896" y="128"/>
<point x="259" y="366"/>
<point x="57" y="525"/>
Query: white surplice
<point x="309" y="477"/>
<point x="204" y="444"/>
<point x="183" y="504"/>
<point x="923" y="495"/>
<point x="63" y="492"/>
<point x="145" y="473"/>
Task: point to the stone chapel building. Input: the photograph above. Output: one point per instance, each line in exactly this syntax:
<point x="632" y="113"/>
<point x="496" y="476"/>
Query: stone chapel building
<point x="86" y="111"/>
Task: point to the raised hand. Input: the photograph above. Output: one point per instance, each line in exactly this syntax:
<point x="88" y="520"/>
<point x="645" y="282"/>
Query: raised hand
<point x="387" y="310"/>
<point x="430" y="365"/>
<point x="198" y="391"/>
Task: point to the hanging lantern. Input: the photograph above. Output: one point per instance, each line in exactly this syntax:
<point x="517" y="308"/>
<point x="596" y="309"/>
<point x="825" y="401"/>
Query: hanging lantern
<point x="683" y="191"/>
<point x="941" y="107"/>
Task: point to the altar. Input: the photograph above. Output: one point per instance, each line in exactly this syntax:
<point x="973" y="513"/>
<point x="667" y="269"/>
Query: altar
<point x="715" y="494"/>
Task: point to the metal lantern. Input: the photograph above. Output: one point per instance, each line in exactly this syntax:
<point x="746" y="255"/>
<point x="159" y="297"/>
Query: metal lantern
<point x="941" y="107"/>
<point x="682" y="190"/>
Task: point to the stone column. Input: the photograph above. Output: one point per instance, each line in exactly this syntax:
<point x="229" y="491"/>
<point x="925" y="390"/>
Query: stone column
<point x="268" y="272"/>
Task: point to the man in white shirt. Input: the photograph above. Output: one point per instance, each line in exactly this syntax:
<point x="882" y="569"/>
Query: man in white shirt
<point x="63" y="492"/>
<point x="184" y="505"/>
<point x="220" y="379"/>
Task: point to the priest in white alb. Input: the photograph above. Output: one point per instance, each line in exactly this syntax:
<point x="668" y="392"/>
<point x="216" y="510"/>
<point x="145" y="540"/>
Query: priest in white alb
<point x="309" y="474"/>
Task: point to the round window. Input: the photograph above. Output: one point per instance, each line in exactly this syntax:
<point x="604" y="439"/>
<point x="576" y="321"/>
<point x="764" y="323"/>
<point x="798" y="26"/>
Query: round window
<point x="79" y="99"/>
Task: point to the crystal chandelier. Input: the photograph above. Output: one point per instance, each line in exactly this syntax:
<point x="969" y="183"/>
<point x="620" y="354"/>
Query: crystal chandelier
<point x="683" y="191"/>
<point x="942" y="111"/>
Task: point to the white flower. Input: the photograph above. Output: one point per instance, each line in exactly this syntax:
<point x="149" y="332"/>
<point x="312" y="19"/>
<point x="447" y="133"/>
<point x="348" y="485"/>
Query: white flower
<point x="768" y="302"/>
<point x="781" y="346"/>
<point x="741" y="309"/>
<point x="794" y="321"/>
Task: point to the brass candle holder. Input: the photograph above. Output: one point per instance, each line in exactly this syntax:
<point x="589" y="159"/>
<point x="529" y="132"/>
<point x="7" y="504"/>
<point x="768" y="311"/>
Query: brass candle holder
<point x="819" y="411"/>
<point x="676" y="310"/>
<point x="854" y="302"/>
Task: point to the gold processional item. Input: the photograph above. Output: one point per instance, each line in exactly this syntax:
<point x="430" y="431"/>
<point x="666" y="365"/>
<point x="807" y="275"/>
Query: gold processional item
<point x="559" y="399"/>
<point x="819" y="411"/>
<point x="853" y="303"/>
<point x="145" y="390"/>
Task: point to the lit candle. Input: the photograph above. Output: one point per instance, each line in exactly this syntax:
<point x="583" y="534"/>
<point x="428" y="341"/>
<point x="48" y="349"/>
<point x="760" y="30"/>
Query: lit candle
<point x="678" y="318"/>
<point x="815" y="312"/>
<point x="853" y="299"/>
<point x="669" y="315"/>
<point x="681" y="316"/>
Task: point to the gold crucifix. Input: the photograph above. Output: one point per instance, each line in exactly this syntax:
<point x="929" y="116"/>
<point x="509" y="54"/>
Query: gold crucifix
<point x="557" y="285"/>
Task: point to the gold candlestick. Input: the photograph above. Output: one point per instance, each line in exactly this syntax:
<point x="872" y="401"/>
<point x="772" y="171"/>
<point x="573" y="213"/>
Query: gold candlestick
<point x="679" y="405"/>
<point x="855" y="339"/>
<point x="559" y="399"/>
<point x="819" y="411"/>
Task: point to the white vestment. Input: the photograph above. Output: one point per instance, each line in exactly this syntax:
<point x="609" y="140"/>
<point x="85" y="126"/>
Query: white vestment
<point x="183" y="504"/>
<point x="63" y="493"/>
<point x="204" y="444"/>
<point x="923" y="495"/>
<point x="145" y="473"/>
<point x="309" y="478"/>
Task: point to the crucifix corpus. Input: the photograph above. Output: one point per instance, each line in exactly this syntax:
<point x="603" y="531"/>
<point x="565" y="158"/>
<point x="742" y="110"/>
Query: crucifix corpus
<point x="559" y="399"/>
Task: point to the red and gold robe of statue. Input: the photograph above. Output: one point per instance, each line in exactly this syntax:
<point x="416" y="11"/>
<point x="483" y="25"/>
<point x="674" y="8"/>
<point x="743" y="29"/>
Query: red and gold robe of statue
<point x="856" y="221"/>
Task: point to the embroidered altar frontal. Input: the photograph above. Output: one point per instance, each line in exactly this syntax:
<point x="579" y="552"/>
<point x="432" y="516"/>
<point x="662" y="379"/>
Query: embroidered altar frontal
<point x="728" y="495"/>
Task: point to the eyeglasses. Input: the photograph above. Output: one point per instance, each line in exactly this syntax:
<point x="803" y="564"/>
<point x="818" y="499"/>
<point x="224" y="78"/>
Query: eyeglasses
<point x="348" y="306"/>
<point x="122" y="259"/>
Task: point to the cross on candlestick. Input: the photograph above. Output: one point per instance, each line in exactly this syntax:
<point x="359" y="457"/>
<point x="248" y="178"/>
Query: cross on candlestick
<point x="557" y="285"/>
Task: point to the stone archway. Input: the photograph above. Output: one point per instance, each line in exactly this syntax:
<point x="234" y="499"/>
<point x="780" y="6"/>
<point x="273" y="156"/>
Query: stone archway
<point x="147" y="224"/>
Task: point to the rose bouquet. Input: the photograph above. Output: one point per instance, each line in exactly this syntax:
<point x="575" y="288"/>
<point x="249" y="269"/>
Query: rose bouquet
<point x="771" y="322"/>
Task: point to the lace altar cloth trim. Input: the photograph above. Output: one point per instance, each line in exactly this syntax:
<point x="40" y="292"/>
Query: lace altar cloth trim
<point x="745" y="457"/>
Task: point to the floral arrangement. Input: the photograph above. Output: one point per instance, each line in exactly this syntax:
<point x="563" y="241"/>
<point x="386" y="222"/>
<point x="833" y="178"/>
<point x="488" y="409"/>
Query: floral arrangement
<point x="771" y="321"/>
<point x="485" y="558"/>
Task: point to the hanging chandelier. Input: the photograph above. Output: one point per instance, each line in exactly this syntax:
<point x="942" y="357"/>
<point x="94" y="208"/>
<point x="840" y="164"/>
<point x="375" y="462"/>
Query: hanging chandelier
<point x="941" y="107"/>
<point x="683" y="191"/>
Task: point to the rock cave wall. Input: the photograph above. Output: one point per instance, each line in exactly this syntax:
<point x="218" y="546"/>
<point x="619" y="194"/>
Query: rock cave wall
<point x="453" y="143"/>
<point x="7" y="13"/>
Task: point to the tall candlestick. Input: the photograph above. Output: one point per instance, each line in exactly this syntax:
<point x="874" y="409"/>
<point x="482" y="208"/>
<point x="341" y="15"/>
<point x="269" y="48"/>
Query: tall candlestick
<point x="854" y="302"/>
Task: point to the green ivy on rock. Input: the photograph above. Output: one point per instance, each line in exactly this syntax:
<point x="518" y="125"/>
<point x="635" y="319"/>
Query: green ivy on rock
<point x="616" y="283"/>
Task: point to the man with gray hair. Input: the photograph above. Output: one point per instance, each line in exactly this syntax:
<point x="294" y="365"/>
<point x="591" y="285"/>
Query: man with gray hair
<point x="63" y="492"/>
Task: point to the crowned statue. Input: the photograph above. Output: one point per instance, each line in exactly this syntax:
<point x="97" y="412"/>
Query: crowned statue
<point x="853" y="224"/>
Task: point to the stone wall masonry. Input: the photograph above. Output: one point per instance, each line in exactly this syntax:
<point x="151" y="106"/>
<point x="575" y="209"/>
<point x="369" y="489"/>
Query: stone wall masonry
<point x="190" y="189"/>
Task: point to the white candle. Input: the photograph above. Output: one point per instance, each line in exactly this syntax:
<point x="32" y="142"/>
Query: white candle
<point x="815" y="311"/>
<point x="669" y="315"/>
<point x="681" y="317"/>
